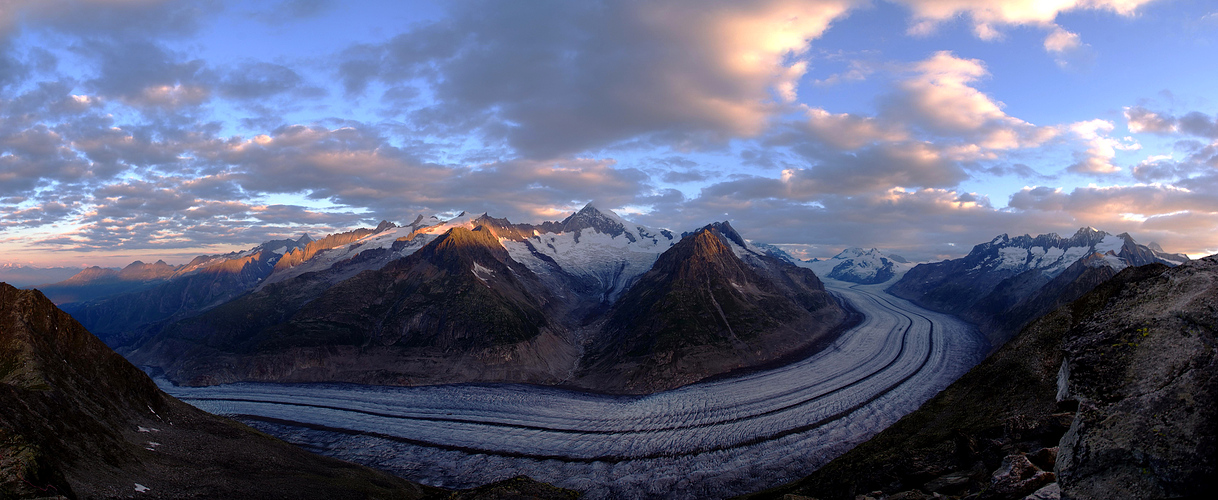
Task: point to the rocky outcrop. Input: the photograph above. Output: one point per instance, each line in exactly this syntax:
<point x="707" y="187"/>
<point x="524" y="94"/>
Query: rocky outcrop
<point x="1145" y="374"/>
<point x="702" y="310"/>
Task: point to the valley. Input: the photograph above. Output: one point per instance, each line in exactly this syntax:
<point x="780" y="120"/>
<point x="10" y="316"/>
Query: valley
<point x="712" y="439"/>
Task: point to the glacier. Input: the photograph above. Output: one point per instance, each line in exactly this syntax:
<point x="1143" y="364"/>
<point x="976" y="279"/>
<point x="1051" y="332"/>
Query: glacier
<point x="708" y="440"/>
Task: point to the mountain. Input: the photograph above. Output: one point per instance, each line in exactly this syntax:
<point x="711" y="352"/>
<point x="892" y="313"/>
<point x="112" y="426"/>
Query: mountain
<point x="710" y="304"/>
<point x="1110" y="396"/>
<point x="95" y="282"/>
<point x="178" y="292"/>
<point x="600" y="251"/>
<point x="80" y="421"/>
<point x="358" y="250"/>
<point x="477" y="298"/>
<point x="866" y="267"/>
<point x="22" y="276"/>
<point x="458" y="309"/>
<point x="996" y="277"/>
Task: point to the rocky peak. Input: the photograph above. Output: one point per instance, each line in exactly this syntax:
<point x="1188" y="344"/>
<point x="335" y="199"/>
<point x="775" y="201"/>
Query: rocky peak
<point x="501" y="227"/>
<point x="384" y="226"/>
<point x="726" y="230"/>
<point x="591" y="217"/>
<point x="304" y="239"/>
<point x="460" y="248"/>
<point x="706" y="250"/>
<point x="139" y="271"/>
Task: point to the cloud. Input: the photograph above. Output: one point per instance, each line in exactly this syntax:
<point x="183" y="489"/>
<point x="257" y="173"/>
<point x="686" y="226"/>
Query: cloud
<point x="1139" y="119"/>
<point x="934" y="105"/>
<point x="568" y="77"/>
<point x="1068" y="50"/>
<point x="292" y="10"/>
<point x="126" y="19"/>
<point x="1199" y="156"/>
<point x="1062" y="41"/>
<point x="144" y="74"/>
<point x="848" y="131"/>
<point x="923" y="223"/>
<point x="989" y="17"/>
<point x="1101" y="149"/>
<point x="259" y="80"/>
<point x="940" y="97"/>
<point x="1181" y="219"/>
<point x="874" y="169"/>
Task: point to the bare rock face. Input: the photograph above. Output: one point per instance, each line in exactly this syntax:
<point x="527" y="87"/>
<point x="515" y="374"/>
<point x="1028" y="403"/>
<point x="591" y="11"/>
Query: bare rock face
<point x="1145" y="373"/>
<point x="1018" y="476"/>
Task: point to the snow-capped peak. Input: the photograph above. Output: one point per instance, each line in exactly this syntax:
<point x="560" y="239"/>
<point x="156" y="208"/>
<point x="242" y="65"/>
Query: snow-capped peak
<point x="857" y="265"/>
<point x="462" y="219"/>
<point x="1052" y="254"/>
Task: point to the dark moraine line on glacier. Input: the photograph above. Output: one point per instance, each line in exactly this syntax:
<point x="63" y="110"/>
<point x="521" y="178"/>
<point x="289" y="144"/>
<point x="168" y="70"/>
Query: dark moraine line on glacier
<point x="736" y="435"/>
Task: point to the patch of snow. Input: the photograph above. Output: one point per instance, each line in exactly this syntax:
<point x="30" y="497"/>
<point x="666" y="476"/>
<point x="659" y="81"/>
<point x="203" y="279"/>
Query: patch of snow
<point x="1115" y="262"/>
<point x="139" y="488"/>
<point x="1175" y="262"/>
<point x="613" y="262"/>
<point x="1110" y="243"/>
<point x="483" y="273"/>
<point x="1012" y="258"/>
<point x="326" y="259"/>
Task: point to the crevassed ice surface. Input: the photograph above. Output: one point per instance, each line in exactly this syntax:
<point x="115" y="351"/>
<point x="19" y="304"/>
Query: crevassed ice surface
<point x="708" y="440"/>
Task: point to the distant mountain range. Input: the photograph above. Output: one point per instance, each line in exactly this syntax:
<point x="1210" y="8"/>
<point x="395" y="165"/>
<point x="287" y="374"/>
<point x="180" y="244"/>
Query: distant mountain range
<point x="1006" y="282"/>
<point x="590" y="301"/>
<point x="474" y="298"/>
<point x="20" y="275"/>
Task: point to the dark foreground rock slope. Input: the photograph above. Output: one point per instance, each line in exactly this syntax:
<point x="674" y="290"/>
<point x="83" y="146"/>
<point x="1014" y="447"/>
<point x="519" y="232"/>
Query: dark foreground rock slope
<point x="702" y="310"/>
<point x="1135" y="357"/>
<point x="79" y="421"/>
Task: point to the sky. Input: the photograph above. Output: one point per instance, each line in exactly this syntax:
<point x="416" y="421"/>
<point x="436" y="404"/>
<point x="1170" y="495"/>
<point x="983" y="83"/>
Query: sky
<point x="146" y="129"/>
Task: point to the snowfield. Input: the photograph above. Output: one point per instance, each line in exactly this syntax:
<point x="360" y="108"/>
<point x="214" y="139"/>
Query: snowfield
<point x="708" y="440"/>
